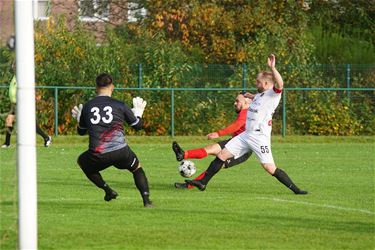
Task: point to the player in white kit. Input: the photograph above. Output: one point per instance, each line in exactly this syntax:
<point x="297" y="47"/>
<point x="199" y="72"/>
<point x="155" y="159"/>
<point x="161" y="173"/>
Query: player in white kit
<point x="257" y="136"/>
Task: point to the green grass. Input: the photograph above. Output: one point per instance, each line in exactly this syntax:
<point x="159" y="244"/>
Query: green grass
<point x="242" y="208"/>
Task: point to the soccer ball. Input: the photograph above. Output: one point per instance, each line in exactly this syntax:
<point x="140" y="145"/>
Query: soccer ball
<point x="186" y="169"/>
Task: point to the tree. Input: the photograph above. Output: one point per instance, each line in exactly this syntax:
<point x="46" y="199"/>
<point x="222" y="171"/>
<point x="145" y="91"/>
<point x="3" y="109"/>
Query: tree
<point x="354" y="18"/>
<point x="225" y="31"/>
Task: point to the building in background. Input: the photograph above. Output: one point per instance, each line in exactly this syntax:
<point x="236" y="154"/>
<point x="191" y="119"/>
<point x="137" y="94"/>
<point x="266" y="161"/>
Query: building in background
<point x="94" y="13"/>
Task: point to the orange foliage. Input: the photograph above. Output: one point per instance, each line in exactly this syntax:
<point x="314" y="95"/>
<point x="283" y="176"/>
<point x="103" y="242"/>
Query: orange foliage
<point x="223" y="29"/>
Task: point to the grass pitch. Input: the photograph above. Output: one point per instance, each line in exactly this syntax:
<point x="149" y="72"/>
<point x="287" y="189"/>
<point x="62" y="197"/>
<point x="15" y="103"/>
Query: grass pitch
<point x="242" y="208"/>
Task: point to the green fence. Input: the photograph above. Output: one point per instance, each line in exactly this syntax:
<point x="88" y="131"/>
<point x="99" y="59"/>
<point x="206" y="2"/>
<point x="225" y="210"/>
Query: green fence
<point x="228" y="76"/>
<point x="199" y="99"/>
<point x="175" y="107"/>
<point x="243" y="76"/>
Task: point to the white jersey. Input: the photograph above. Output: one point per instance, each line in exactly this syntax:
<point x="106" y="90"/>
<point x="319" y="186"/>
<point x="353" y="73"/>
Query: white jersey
<point x="259" y="114"/>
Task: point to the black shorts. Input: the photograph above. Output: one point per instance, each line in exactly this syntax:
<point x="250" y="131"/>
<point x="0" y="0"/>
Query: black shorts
<point x="123" y="158"/>
<point x="231" y="161"/>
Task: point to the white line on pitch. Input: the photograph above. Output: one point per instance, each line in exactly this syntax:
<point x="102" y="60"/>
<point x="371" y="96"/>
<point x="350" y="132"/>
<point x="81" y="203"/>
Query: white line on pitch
<point x="319" y="205"/>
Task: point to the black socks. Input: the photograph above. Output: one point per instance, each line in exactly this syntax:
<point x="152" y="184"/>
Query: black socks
<point x="40" y="132"/>
<point x="284" y="179"/>
<point x="141" y="183"/>
<point x="8" y="133"/>
<point x="214" y="167"/>
<point x="97" y="179"/>
<point x="139" y="179"/>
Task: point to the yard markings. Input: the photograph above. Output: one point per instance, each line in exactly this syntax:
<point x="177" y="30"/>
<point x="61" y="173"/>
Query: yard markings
<point x="318" y="205"/>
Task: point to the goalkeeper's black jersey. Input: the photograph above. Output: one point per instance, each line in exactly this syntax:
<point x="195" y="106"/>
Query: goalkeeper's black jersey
<point x="103" y="118"/>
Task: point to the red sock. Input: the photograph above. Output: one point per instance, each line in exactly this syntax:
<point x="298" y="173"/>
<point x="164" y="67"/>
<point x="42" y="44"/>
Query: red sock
<point x="200" y="176"/>
<point x="195" y="153"/>
<point x="197" y="179"/>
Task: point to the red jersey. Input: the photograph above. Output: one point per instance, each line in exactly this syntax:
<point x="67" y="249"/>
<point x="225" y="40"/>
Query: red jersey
<point x="236" y="127"/>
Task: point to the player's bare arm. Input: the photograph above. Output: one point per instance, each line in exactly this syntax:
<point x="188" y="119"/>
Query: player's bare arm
<point x="249" y="95"/>
<point x="213" y="135"/>
<point x="241" y="104"/>
<point x="231" y="128"/>
<point x="279" y="84"/>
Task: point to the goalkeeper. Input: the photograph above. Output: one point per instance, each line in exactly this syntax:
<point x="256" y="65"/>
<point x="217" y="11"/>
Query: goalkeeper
<point x="102" y="118"/>
<point x="241" y="104"/>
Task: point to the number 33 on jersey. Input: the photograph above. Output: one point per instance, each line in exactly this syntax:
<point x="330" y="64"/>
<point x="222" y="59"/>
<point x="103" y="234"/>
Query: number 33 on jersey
<point x="97" y="117"/>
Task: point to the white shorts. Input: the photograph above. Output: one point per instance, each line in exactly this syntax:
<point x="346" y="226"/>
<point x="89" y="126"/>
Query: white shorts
<point x="259" y="144"/>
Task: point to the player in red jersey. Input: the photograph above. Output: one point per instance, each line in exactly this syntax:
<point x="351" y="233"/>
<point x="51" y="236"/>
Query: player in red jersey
<point x="257" y="135"/>
<point x="241" y="104"/>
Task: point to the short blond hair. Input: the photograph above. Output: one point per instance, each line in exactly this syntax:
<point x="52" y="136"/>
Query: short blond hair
<point x="266" y="76"/>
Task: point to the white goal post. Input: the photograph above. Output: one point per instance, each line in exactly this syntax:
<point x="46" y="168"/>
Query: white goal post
<point x="26" y="151"/>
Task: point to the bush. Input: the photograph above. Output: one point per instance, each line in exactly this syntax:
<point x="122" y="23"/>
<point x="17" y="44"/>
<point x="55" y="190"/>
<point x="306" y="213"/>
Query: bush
<point x="72" y="58"/>
<point x="325" y="114"/>
<point x="340" y="48"/>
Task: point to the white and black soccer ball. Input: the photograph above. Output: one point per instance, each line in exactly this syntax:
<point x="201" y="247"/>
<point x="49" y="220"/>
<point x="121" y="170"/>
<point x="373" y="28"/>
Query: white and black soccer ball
<point x="187" y="168"/>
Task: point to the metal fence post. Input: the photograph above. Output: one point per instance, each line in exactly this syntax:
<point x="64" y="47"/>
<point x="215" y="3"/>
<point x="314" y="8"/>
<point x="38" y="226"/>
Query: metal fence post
<point x="244" y="74"/>
<point x="172" y="112"/>
<point x="56" y="111"/>
<point x="348" y="80"/>
<point x="140" y="75"/>
<point x="283" y="128"/>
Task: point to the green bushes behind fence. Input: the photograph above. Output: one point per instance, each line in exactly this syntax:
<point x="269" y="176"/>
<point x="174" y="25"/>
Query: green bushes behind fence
<point x="200" y="111"/>
<point x="71" y="58"/>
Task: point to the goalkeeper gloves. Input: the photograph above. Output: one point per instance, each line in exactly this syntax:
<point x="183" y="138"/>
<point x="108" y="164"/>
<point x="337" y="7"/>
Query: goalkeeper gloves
<point x="76" y="112"/>
<point x="138" y="106"/>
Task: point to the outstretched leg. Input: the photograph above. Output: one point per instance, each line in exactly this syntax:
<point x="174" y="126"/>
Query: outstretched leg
<point x="184" y="185"/>
<point x="284" y="179"/>
<point x="178" y="151"/>
<point x="214" y="167"/>
<point x="198" y="153"/>
<point x="228" y="163"/>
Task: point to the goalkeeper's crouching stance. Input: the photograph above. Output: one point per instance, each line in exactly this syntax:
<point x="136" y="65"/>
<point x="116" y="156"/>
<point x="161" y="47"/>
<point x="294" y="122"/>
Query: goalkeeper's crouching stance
<point x="102" y="118"/>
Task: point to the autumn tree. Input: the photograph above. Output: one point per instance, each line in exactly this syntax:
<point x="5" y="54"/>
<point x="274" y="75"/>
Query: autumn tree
<point x="233" y="31"/>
